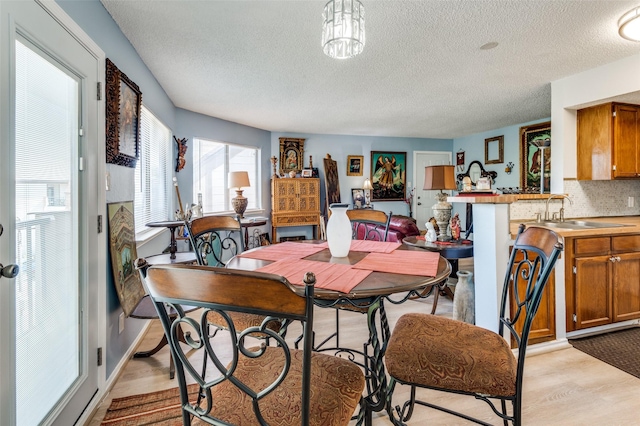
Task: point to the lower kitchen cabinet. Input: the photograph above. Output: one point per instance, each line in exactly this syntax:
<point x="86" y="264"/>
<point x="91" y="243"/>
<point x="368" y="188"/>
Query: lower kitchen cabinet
<point x="602" y="281"/>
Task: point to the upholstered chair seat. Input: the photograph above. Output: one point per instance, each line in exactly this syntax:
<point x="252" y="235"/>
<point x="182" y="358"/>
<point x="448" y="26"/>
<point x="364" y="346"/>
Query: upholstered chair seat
<point x="336" y="388"/>
<point x="438" y="352"/>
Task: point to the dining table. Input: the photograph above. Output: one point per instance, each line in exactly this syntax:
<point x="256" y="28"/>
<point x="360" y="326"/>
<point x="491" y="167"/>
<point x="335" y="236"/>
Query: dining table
<point x="372" y="274"/>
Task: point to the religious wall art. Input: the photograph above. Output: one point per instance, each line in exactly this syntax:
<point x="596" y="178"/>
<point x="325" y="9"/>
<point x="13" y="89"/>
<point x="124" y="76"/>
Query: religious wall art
<point x="388" y="175"/>
<point x="122" y="244"/>
<point x="535" y="157"/>
<point x="291" y="155"/>
<point x="331" y="182"/>
<point x="123" y="101"/>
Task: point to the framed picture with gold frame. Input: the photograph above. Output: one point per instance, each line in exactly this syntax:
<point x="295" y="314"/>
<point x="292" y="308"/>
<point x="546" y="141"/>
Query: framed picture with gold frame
<point x="123" y="101"/>
<point x="291" y="155"/>
<point x="355" y="165"/>
<point x="535" y="149"/>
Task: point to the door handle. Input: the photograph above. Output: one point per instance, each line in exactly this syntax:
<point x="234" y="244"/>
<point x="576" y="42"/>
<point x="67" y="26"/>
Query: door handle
<point x="419" y="203"/>
<point x="9" y="271"/>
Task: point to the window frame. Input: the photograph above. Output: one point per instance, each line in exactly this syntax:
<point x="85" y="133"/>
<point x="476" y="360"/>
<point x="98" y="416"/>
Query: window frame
<point x="254" y="179"/>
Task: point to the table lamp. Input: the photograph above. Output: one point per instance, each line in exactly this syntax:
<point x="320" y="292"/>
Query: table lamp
<point x="367" y="192"/>
<point x="237" y="181"/>
<point x="440" y="178"/>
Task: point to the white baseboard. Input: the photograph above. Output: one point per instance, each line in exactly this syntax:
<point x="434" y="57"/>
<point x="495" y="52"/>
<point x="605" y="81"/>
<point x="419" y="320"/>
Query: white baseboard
<point x="103" y="393"/>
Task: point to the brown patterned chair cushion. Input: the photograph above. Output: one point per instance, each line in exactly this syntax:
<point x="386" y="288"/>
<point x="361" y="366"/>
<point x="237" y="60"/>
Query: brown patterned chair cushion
<point x="241" y="321"/>
<point x="336" y="388"/>
<point x="439" y="352"/>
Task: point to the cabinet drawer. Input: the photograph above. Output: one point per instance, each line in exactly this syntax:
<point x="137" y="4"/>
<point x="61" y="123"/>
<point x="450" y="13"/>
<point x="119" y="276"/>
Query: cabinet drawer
<point x="592" y="246"/>
<point x="625" y="243"/>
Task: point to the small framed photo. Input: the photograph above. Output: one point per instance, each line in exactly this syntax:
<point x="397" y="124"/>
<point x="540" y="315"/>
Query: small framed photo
<point x="355" y="165"/>
<point x="358" y="197"/>
<point x="306" y="173"/>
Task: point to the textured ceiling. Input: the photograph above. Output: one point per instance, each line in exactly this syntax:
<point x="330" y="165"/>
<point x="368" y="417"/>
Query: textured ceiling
<point x="421" y="74"/>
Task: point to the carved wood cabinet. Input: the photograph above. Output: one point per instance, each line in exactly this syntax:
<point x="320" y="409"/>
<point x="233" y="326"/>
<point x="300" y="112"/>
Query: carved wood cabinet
<point x="294" y="202"/>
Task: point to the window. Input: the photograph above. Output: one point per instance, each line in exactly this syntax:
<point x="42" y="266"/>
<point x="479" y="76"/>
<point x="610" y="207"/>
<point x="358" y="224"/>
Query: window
<point x="212" y="163"/>
<point x="153" y="176"/>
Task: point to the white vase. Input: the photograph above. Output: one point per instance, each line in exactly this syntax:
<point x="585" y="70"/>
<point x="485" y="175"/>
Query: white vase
<point x="339" y="231"/>
<point x="464" y="299"/>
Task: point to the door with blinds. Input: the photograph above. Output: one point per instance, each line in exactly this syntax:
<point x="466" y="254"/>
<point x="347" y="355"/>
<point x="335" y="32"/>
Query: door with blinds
<point x="49" y="210"/>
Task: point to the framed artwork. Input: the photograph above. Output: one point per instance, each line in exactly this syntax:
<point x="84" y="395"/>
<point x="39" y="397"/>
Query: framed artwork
<point x="331" y="183"/>
<point x="388" y="175"/>
<point x="123" y="100"/>
<point x="494" y="150"/>
<point x="355" y="165"/>
<point x="122" y="245"/>
<point x="535" y="143"/>
<point x="291" y="155"/>
<point x="306" y="173"/>
<point x="358" y="197"/>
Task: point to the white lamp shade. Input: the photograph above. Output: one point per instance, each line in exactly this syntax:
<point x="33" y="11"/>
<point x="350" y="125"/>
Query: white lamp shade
<point x="239" y="180"/>
<point x="367" y="184"/>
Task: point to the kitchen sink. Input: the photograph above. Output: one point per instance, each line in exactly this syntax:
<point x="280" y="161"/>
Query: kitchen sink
<point x="578" y="224"/>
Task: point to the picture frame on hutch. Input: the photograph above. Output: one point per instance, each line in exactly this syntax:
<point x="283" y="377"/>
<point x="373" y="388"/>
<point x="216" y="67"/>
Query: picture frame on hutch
<point x="388" y="175"/>
<point x="358" y="198"/>
<point x="535" y="144"/>
<point x="123" y="102"/>
<point x="291" y="155"/>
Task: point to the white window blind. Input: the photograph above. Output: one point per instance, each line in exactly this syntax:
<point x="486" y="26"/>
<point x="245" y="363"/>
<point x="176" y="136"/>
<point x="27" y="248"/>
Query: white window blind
<point x="152" y="181"/>
<point x="212" y="163"/>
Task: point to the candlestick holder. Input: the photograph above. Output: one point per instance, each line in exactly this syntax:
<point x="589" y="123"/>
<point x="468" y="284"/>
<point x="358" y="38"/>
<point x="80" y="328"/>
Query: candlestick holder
<point x="274" y="162"/>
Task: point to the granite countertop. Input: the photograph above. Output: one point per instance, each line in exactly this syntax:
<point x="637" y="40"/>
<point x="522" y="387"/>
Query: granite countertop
<point x="633" y="223"/>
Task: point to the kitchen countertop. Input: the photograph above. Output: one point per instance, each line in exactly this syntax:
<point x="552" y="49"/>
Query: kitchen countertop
<point x="633" y="221"/>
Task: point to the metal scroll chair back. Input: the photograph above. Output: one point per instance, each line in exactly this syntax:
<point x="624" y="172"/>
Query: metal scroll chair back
<point x="432" y="352"/>
<point x="251" y="383"/>
<point x="369" y="224"/>
<point x="215" y="239"/>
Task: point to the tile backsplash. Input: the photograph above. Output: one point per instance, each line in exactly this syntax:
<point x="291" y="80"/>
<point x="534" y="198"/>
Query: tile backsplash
<point x="590" y="199"/>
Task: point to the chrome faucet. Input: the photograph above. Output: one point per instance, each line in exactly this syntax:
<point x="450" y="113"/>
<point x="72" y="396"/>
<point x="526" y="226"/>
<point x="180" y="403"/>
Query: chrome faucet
<point x="562" y="197"/>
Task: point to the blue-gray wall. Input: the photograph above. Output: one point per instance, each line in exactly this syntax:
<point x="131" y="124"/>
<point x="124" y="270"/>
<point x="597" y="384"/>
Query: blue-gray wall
<point x="91" y="16"/>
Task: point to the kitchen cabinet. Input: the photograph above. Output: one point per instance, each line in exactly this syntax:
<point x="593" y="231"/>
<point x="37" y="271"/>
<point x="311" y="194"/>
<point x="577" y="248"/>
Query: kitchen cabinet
<point x="603" y="286"/>
<point x="608" y="142"/>
<point x="294" y="202"/>
<point x="543" y="327"/>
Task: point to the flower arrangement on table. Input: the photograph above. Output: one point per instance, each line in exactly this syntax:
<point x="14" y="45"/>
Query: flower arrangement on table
<point x="409" y="200"/>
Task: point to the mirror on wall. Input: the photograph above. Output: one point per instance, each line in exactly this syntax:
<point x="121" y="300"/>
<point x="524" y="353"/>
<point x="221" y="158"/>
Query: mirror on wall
<point x="475" y="172"/>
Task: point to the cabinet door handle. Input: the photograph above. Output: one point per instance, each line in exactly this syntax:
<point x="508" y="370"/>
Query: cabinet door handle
<point x="618" y="258"/>
<point x="612" y="259"/>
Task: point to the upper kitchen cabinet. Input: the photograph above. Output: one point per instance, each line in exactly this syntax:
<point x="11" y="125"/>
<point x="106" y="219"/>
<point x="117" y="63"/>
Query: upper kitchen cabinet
<point x="609" y="142"/>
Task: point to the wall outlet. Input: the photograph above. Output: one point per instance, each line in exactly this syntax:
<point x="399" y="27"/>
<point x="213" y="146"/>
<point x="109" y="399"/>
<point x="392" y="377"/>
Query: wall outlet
<point x="631" y="201"/>
<point x="121" y="323"/>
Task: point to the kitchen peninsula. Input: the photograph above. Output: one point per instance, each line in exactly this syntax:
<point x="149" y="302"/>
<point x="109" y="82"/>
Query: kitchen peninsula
<point x="574" y="304"/>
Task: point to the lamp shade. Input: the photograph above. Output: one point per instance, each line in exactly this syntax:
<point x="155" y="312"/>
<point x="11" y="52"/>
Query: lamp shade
<point x="367" y="184"/>
<point x="239" y="180"/>
<point x="629" y="25"/>
<point x="439" y="177"/>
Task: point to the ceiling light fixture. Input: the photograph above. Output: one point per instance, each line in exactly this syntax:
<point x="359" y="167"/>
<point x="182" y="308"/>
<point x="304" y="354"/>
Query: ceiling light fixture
<point x="343" y="28"/>
<point x="629" y="25"/>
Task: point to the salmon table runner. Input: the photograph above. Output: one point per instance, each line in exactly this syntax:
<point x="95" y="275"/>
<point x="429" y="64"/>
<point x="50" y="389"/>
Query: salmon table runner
<point x="330" y="276"/>
<point x="284" y="250"/>
<point x="408" y="262"/>
<point x="371" y="246"/>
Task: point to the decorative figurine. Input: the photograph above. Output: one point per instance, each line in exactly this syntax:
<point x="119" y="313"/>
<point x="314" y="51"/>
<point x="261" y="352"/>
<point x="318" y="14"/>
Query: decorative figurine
<point x="182" y="150"/>
<point x="455" y="227"/>
<point x="274" y="162"/>
<point x="431" y="234"/>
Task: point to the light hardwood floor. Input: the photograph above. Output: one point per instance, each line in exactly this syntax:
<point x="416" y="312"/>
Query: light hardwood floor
<point x="565" y="387"/>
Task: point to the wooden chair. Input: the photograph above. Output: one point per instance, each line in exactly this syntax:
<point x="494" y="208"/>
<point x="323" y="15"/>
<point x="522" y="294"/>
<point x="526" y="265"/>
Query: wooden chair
<point x="433" y="352"/>
<point x="369" y="224"/>
<point x="251" y="384"/>
<point x="212" y="238"/>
